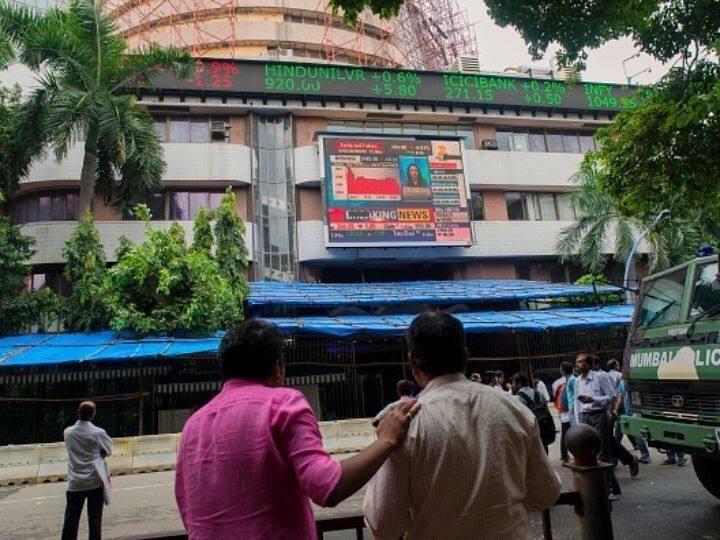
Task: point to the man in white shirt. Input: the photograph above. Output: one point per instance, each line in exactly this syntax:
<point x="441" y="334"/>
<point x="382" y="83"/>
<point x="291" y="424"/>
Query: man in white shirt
<point x="85" y="444"/>
<point x="472" y="464"/>
<point x="540" y="387"/>
<point x="594" y="393"/>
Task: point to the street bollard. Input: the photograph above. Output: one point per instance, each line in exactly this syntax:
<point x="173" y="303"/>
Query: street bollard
<point x="590" y="481"/>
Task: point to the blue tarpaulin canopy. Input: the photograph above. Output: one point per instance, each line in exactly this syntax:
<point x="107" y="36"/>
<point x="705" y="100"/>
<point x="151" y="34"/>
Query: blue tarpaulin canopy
<point x="101" y="347"/>
<point x="274" y="293"/>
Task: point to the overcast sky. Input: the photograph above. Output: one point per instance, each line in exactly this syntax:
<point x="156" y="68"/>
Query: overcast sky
<point x="503" y="47"/>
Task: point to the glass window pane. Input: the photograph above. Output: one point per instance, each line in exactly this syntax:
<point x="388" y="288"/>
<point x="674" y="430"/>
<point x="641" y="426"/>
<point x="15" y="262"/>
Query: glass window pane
<point x="57" y="207"/>
<point x="537" y="142"/>
<point x="587" y="144"/>
<point x="504" y="140"/>
<point x="477" y="209"/>
<point x="179" y="205"/>
<point x="520" y="142"/>
<point x="515" y="206"/>
<point x="156" y="203"/>
<point x="555" y="142"/>
<point x="31" y="210"/>
<point x="71" y="206"/>
<point x="570" y="143"/>
<point x="197" y="199"/>
<point x="566" y="209"/>
<point x="179" y="129"/>
<point x="38" y="281"/>
<point x="199" y="130"/>
<point x="160" y="128"/>
<point x="531" y="206"/>
<point x="707" y="289"/>
<point x="215" y="199"/>
<point x="44" y="208"/>
<point x="287" y="126"/>
<point x="393" y="129"/>
<point x="468" y="136"/>
<point x="661" y="299"/>
<point x="546" y="205"/>
<point x="373" y="127"/>
<point x="429" y="129"/>
<point x="411" y="129"/>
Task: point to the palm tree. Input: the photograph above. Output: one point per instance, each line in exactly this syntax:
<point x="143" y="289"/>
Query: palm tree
<point x="600" y="221"/>
<point x="86" y="74"/>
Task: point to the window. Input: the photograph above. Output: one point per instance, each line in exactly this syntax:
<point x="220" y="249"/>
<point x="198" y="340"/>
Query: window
<point x="55" y="281"/>
<point x="540" y="206"/>
<point x="45" y="206"/>
<point x="546" y="207"/>
<point x="661" y="299"/>
<point x="587" y="142"/>
<point x="555" y="142"/>
<point x="566" y="207"/>
<point x="188" y="129"/>
<point x="463" y="131"/>
<point x="184" y="205"/>
<point x="156" y="204"/>
<point x="706" y="295"/>
<point x="477" y="208"/>
<point x="516" y="208"/>
<point x="537" y="142"/>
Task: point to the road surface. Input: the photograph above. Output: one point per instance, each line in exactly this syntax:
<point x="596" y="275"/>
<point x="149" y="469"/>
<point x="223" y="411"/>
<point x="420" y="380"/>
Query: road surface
<point x="663" y="502"/>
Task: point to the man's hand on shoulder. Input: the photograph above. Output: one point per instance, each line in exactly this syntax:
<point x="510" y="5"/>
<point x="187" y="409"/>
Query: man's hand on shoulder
<point x="394" y="426"/>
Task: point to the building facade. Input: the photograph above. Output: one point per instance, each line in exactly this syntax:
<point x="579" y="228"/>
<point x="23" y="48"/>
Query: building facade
<point x="519" y="162"/>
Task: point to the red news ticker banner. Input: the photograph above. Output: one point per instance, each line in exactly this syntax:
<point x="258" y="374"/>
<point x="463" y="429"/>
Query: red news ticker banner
<point x="395" y="192"/>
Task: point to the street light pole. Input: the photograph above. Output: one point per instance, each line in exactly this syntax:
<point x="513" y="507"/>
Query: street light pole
<point x="636" y="55"/>
<point x="631" y="77"/>
<point x="628" y="264"/>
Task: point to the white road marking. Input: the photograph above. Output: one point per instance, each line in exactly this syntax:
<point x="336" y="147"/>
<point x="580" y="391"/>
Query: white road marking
<point x="115" y="490"/>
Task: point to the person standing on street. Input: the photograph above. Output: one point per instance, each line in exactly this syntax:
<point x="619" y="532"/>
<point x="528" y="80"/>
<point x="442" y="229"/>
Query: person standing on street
<point x="593" y="395"/>
<point x="404" y="389"/>
<point x="472" y="465"/>
<point x="250" y="461"/>
<point x="564" y="396"/>
<point x="85" y="444"/>
<point x="540" y="386"/>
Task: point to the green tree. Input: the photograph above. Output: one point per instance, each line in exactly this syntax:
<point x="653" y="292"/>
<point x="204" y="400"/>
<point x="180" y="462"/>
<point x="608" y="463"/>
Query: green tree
<point x="85" y="309"/>
<point x="20" y="309"/>
<point x="161" y="286"/>
<point x="86" y="76"/>
<point x="230" y="252"/>
<point x="203" y="238"/>
<point x="15" y="155"/>
<point x="602" y="228"/>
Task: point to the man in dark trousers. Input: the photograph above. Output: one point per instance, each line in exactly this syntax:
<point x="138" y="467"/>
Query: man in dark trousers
<point x="85" y="444"/>
<point x="593" y="395"/>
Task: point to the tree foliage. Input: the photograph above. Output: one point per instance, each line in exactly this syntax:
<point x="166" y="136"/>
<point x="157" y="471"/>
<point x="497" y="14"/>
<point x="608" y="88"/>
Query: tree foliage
<point x="666" y="152"/>
<point x="85" y="75"/>
<point x="353" y="8"/>
<point x="19" y="308"/>
<point x="661" y="29"/>
<point x="602" y="229"/>
<point x="164" y="286"/>
<point x="15" y="154"/>
<point x="85" y="309"/>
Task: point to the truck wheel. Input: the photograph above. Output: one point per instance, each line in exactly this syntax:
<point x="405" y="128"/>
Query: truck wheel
<point x="707" y="471"/>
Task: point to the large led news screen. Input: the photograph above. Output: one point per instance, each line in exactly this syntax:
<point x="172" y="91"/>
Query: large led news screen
<point x="394" y="192"/>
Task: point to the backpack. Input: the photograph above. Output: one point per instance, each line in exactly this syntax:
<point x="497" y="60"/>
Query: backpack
<point x="560" y="398"/>
<point x="539" y="408"/>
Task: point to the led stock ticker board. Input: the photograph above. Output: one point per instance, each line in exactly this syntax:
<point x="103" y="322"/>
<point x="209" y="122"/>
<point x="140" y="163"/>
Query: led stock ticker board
<point x="336" y="81"/>
<point x="394" y="192"/>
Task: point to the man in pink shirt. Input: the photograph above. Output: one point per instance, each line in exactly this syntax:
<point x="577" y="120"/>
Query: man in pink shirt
<point x="250" y="460"/>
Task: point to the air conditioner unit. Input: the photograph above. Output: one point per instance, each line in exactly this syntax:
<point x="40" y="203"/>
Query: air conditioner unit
<point x="218" y="129"/>
<point x="489" y="144"/>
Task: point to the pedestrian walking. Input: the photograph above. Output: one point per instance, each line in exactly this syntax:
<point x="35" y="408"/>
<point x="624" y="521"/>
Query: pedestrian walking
<point x="674" y="458"/>
<point x="536" y="402"/>
<point x="250" y="461"/>
<point x="564" y="398"/>
<point x="540" y="386"/>
<point x="86" y="443"/>
<point x="404" y="389"/>
<point x="593" y="396"/>
<point x="472" y="465"/>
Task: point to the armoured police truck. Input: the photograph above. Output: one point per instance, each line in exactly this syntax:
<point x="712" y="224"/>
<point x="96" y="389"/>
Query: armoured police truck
<point x="672" y="365"/>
